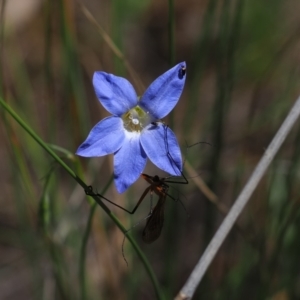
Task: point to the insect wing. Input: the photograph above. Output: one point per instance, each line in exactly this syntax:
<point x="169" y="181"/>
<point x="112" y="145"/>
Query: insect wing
<point x="155" y="222"/>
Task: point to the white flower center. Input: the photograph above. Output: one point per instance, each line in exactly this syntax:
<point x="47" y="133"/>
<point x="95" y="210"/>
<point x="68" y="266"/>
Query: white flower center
<point x="136" y="119"/>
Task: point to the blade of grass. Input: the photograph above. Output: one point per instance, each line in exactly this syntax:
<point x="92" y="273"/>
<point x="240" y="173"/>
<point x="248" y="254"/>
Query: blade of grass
<point x="202" y="55"/>
<point x="118" y="13"/>
<point x="82" y="278"/>
<point x="74" y="88"/>
<point x="171" y="42"/>
<point x="2" y="10"/>
<point x="171" y="33"/>
<point x="82" y="256"/>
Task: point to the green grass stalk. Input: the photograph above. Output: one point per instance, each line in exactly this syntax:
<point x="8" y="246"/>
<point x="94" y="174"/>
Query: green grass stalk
<point x="139" y="252"/>
<point x="82" y="256"/>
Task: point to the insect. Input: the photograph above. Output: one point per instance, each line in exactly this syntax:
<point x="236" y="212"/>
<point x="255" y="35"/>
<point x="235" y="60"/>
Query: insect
<point x="155" y="219"/>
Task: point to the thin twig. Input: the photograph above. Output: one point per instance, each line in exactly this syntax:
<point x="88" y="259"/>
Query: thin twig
<point x="200" y="269"/>
<point x="208" y="193"/>
<point x="136" y="79"/>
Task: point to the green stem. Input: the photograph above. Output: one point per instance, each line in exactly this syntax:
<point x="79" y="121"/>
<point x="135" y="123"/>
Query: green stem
<point x="86" y="235"/>
<point x="2" y="9"/>
<point x="85" y="186"/>
<point x="83" y="252"/>
<point x="171" y="41"/>
<point x="171" y="33"/>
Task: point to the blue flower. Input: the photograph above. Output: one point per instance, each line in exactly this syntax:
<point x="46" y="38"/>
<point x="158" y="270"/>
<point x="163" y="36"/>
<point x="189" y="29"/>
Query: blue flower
<point x="134" y="132"/>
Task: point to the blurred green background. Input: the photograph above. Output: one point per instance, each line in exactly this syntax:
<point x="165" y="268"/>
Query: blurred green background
<point x="243" y="76"/>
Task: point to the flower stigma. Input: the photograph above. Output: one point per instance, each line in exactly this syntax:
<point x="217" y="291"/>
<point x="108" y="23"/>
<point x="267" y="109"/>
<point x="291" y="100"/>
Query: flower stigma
<point x="136" y="119"/>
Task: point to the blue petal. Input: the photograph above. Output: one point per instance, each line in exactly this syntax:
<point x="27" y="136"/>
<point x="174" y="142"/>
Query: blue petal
<point x="116" y="94"/>
<point x="129" y="162"/>
<point x="161" y="146"/>
<point x="163" y="94"/>
<point x="106" y="137"/>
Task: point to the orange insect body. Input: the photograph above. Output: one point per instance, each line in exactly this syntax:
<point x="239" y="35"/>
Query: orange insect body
<point x="157" y="184"/>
